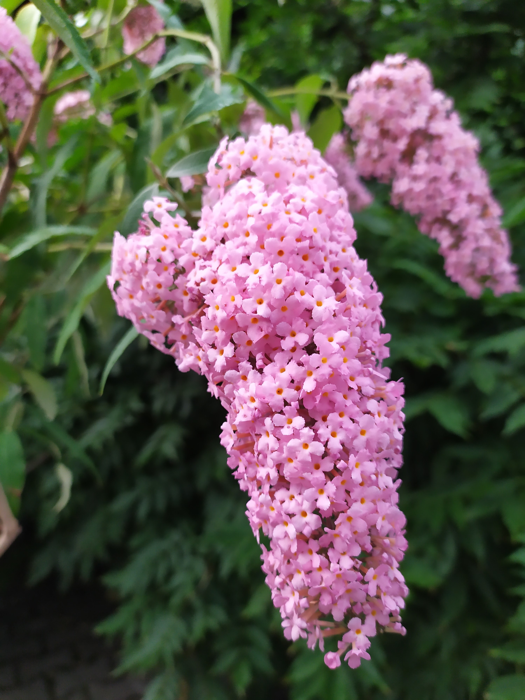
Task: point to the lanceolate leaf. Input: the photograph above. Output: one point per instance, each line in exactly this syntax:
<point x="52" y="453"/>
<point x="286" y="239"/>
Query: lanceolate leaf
<point x="27" y="21"/>
<point x="116" y="354"/>
<point x="42" y="391"/>
<point x="12" y="467"/>
<point x="506" y="688"/>
<point x="219" y="13"/>
<point x="130" y="222"/>
<point x="10" y="5"/>
<point x="305" y="102"/>
<point x="327" y="123"/>
<point x="45" y="180"/>
<point x="178" y="57"/>
<point x="66" y="30"/>
<point x="74" y="316"/>
<point x="209" y="101"/>
<point x="259" y="96"/>
<point x="61" y="437"/>
<point x="30" y="240"/>
<point x="516" y="215"/>
<point x="515" y="421"/>
<point x="193" y="164"/>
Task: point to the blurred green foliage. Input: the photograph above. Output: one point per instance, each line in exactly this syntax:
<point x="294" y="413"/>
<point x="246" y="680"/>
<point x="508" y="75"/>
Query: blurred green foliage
<point x="133" y="488"/>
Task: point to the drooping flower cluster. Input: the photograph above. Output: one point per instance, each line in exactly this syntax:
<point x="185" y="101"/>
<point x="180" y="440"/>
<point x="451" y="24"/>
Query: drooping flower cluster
<point x="71" y="105"/>
<point x="142" y="23"/>
<point x="336" y="154"/>
<point x="408" y="133"/>
<point x="270" y="301"/>
<point x="19" y="72"/>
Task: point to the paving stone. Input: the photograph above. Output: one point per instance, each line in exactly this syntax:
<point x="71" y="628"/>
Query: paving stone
<point x="34" y="691"/>
<point x="124" y="689"/>
<point x="21" y="648"/>
<point x="7" y="677"/>
<point x="79" y="695"/>
<point x="82" y="674"/>
<point x="45" y="665"/>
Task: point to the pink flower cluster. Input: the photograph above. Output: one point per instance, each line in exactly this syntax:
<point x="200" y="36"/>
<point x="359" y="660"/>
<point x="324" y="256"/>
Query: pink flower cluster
<point x="142" y="23"/>
<point x="408" y="133"/>
<point x="19" y="72"/>
<point x="76" y="104"/>
<point x="270" y="301"/>
<point x="337" y="156"/>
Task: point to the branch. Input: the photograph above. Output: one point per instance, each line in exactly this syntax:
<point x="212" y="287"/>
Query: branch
<point x="191" y="36"/>
<point x="9" y="172"/>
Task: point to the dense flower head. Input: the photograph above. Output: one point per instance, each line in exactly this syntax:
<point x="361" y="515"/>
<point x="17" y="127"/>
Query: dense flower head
<point x="142" y="23"/>
<point x="336" y="154"/>
<point x="270" y="301"/>
<point x="19" y="72"/>
<point x="75" y="104"/>
<point x="408" y="133"/>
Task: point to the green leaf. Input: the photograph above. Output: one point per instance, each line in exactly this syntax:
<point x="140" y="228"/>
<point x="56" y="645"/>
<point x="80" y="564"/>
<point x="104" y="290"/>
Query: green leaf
<point x="506" y="688"/>
<point x="12" y="467"/>
<point x="179" y="56"/>
<point x="116" y="354"/>
<point x="305" y="102"/>
<point x="107" y="227"/>
<point x="35" y="329"/>
<point x="27" y="21"/>
<point x="61" y="437"/>
<point x="10" y="5"/>
<point x="448" y="410"/>
<point x="511" y="342"/>
<point x="131" y="218"/>
<point x="440" y="284"/>
<point x="327" y="123"/>
<point x="9" y="372"/>
<point x="500" y="401"/>
<point x="66" y="30"/>
<point x="42" y="391"/>
<point x="30" y="240"/>
<point x="515" y="421"/>
<point x="193" y="164"/>
<point x="76" y="313"/>
<point x="512" y="651"/>
<point x="209" y="101"/>
<point x="516" y="215"/>
<point x="513" y="514"/>
<point x="451" y="413"/>
<point x="219" y="14"/>
<point x="47" y="178"/>
<point x="98" y="179"/>
<point x="65" y="478"/>
<point x="259" y="96"/>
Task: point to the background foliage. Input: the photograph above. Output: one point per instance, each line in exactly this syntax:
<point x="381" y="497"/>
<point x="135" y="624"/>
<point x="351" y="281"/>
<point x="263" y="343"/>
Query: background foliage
<point x="132" y="487"/>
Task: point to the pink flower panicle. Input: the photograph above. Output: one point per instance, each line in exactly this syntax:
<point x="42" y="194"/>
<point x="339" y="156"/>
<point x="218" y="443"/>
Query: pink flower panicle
<point x="19" y="72"/>
<point x="408" y="133"/>
<point x="270" y="301"/>
<point x="141" y="24"/>
<point x="336" y="155"/>
<point x="71" y="105"/>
